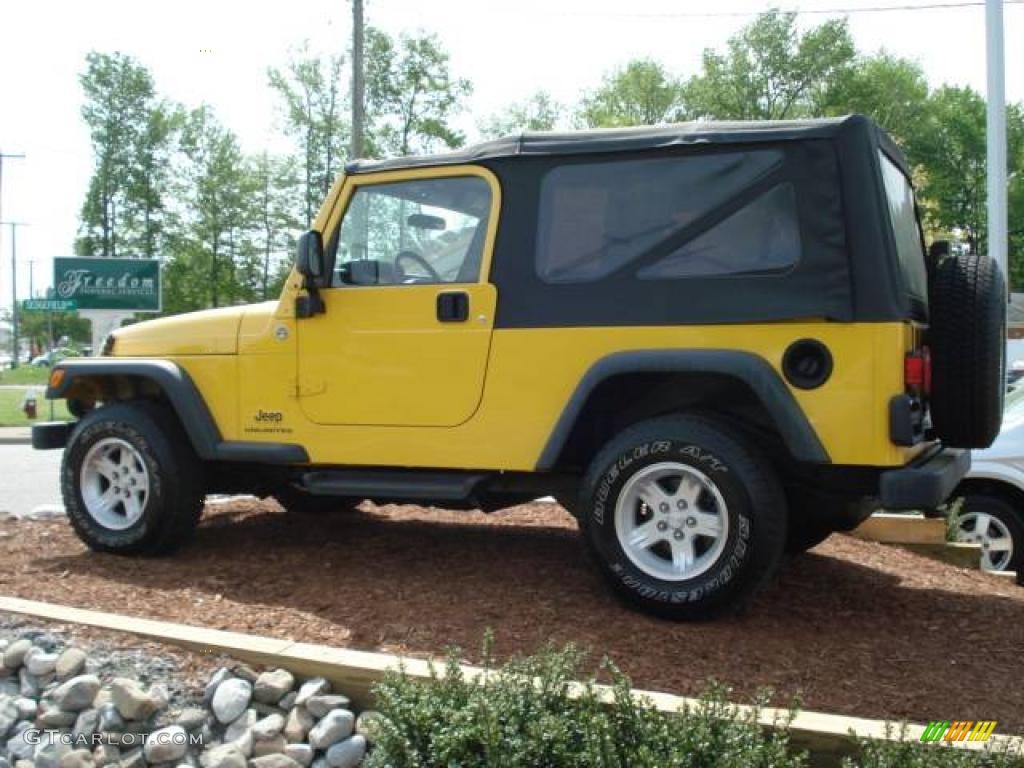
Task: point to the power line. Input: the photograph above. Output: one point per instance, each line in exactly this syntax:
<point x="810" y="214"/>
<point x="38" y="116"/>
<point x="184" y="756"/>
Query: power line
<point x="801" y="11"/>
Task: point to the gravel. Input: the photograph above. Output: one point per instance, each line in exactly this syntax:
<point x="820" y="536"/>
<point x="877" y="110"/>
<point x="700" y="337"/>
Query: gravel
<point x="126" y="709"/>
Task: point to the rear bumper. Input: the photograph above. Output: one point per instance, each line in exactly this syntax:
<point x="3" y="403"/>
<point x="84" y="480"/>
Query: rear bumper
<point x="50" y="435"/>
<point x="927" y="482"/>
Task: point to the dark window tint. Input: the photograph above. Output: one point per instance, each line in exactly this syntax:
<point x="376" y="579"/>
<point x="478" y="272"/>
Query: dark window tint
<point x="763" y="236"/>
<point x="909" y="248"/>
<point x="595" y="218"/>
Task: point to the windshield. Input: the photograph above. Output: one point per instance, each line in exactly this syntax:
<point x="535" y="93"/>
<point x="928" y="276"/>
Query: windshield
<point x="906" y="230"/>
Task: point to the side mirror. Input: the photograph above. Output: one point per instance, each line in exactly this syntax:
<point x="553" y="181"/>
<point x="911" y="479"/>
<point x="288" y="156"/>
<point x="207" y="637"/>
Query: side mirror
<point x="309" y="256"/>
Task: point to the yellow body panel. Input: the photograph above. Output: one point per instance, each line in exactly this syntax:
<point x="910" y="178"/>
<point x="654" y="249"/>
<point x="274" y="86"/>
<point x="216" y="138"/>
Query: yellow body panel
<point x="377" y="380"/>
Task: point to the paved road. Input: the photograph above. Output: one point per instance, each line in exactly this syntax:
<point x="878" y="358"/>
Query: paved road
<point x="28" y="479"/>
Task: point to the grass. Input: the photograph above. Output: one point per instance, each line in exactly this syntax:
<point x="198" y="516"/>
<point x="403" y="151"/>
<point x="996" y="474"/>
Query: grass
<point x="11" y="414"/>
<point x="26" y="374"/>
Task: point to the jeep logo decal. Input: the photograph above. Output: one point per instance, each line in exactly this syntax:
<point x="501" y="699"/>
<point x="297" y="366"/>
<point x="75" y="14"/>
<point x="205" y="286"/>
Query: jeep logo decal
<point x="274" y="416"/>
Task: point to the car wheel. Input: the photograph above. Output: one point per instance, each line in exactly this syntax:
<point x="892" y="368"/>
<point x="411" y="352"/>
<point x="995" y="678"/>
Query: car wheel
<point x="131" y="482"/>
<point x="298" y="501"/>
<point x="997" y="527"/>
<point x="683" y="516"/>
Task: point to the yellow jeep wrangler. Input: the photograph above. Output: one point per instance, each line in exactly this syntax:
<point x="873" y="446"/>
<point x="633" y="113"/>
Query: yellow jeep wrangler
<point x="710" y="342"/>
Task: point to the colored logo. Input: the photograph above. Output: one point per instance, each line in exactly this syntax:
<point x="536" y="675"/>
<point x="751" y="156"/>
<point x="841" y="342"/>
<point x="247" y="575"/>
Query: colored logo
<point x="958" y="730"/>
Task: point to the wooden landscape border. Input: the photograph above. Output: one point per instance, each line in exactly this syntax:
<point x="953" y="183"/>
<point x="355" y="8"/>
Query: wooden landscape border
<point x="827" y="737"/>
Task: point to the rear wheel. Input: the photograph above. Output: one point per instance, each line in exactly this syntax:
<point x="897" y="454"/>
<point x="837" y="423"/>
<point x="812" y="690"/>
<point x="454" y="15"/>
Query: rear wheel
<point x="683" y="516"/>
<point x="131" y="481"/>
<point x="995" y="525"/>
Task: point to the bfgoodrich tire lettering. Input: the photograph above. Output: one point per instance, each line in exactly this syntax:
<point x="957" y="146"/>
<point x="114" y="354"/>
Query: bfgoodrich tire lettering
<point x="173" y="502"/>
<point x="747" y="487"/>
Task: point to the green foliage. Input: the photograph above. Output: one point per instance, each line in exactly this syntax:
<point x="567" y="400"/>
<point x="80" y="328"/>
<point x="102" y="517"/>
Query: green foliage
<point x="641" y="93"/>
<point x="38" y="327"/>
<point x="889" y="89"/>
<point x="771" y="71"/>
<point x="411" y="95"/>
<point x="904" y="753"/>
<point x="538" y="113"/>
<point x="315" y="106"/>
<point x="523" y="715"/>
<point x="131" y="130"/>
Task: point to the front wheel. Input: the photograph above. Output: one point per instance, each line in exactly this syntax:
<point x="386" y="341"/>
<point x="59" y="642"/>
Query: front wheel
<point x="131" y="481"/>
<point x="683" y="516"/>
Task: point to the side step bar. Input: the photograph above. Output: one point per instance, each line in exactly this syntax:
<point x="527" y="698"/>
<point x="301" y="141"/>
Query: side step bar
<point x="394" y="485"/>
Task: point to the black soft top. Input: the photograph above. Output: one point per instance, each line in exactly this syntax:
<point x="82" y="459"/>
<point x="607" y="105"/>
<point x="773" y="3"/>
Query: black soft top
<point x="602" y="140"/>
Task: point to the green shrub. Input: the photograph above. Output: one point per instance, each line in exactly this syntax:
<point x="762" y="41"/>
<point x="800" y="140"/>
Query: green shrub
<point x="913" y="754"/>
<point x="522" y="716"/>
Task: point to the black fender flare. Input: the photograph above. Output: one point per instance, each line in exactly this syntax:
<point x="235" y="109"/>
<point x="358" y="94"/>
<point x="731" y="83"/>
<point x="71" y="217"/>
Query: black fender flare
<point x="753" y="370"/>
<point x="187" y="402"/>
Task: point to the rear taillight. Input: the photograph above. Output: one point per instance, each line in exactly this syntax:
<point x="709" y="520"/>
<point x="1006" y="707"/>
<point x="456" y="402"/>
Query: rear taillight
<point x="917" y="372"/>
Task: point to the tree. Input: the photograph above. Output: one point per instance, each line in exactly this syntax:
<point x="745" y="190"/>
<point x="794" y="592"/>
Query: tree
<point x="770" y="70"/>
<point x="315" y="105"/>
<point x="131" y="131"/>
<point x="276" y="179"/>
<point x="889" y="89"/>
<point x="641" y="93"/>
<point x="538" y="113"/>
<point x="217" y="198"/>
<point x="411" y="95"/>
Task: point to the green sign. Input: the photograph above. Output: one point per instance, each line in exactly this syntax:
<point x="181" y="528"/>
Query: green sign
<point x="131" y="285"/>
<point x="48" y="305"/>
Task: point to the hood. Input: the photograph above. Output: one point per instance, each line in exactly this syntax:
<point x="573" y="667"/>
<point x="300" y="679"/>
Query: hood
<point x="209" y="332"/>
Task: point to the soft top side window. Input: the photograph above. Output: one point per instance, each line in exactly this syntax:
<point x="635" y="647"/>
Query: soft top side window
<point x="414" y="232"/>
<point x="595" y="218"/>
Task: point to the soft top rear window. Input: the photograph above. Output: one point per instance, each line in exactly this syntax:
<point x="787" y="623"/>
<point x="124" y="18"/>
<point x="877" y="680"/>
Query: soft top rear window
<point x="906" y="230"/>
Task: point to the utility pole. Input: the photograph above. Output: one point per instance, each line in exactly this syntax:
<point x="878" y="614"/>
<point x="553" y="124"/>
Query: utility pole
<point x="14" y="289"/>
<point x="2" y="156"/>
<point x="996" y="135"/>
<point x="358" y="81"/>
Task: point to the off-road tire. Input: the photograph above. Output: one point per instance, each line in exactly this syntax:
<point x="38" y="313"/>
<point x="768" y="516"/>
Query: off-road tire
<point x="749" y="486"/>
<point x="174" y="502"/>
<point x="299" y="502"/>
<point x="967" y="339"/>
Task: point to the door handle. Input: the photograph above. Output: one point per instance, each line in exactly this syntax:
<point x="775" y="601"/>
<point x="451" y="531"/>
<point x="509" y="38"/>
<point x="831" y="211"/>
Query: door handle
<point x="453" y="307"/>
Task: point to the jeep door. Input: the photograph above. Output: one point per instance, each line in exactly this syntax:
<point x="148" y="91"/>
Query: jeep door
<point x="409" y="312"/>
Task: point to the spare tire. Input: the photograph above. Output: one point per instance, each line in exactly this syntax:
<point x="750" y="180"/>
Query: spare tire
<point x="967" y="337"/>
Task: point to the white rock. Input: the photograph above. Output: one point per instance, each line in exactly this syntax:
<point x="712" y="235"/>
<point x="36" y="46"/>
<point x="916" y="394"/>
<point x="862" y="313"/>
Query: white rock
<point x="77" y="758"/>
<point x="8" y="716"/>
<point x="336" y="725"/>
<point x="240" y="725"/>
<point x="77" y="693"/>
<point x="273" y="761"/>
<point x="224" y="756"/>
<point x="288" y="701"/>
<point x="316" y="686"/>
<point x="216" y="679"/>
<point x="18" y="746"/>
<point x="300" y="753"/>
<point x="319" y="706"/>
<point x="87" y="723"/>
<point x="105" y="754"/>
<point x="70" y="663"/>
<point x="14" y="655"/>
<point x="231" y="699"/>
<point x="28" y="684"/>
<point x="131" y="701"/>
<point x="270" y="687"/>
<point x="269" y="727"/>
<point x="348" y="753"/>
<point x="166" y="745"/>
<point x="48" y="755"/>
<point x="38" y="662"/>
<point x="191" y="718"/>
<point x="272" y="746"/>
<point x="298" y="724"/>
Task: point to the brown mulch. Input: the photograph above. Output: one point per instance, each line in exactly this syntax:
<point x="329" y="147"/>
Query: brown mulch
<point x="853" y="627"/>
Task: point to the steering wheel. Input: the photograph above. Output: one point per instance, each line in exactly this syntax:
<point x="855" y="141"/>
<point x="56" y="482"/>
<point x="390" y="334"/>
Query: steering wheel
<point x="415" y="257"/>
